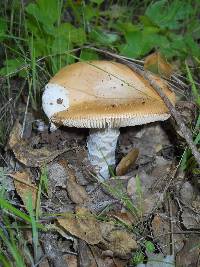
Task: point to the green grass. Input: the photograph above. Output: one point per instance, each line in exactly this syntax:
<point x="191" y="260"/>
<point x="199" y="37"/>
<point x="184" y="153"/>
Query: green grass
<point x="188" y="162"/>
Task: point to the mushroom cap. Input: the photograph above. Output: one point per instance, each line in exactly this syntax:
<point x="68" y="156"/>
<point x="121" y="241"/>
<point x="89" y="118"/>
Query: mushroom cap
<point x="100" y="94"/>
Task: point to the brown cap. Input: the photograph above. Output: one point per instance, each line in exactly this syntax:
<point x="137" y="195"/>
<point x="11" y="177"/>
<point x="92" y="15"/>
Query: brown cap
<point x="108" y="94"/>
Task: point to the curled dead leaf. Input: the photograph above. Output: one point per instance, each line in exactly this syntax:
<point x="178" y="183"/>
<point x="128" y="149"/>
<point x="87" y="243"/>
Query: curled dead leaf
<point x="121" y="243"/>
<point x="158" y="65"/>
<point x="83" y="225"/>
<point x="24" y="187"/>
<point x="76" y="192"/>
<point x="26" y="154"/>
<point x="127" y="161"/>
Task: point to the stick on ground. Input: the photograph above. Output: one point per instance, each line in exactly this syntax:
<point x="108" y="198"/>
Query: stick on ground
<point x="186" y="132"/>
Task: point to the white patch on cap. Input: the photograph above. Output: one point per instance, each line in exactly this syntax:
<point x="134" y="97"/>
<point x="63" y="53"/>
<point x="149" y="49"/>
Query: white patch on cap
<point x="55" y="99"/>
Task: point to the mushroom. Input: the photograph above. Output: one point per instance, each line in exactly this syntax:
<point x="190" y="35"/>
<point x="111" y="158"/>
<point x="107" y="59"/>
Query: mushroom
<point x="103" y="96"/>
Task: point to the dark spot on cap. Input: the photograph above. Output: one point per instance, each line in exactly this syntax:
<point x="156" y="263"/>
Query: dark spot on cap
<point x="59" y="101"/>
<point x="143" y="102"/>
<point x="51" y="103"/>
<point x="122" y="84"/>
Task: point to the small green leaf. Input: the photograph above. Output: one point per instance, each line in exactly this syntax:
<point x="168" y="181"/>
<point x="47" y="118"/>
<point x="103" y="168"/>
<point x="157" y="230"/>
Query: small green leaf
<point x="138" y="258"/>
<point x="150" y="248"/>
<point x="12" y="67"/>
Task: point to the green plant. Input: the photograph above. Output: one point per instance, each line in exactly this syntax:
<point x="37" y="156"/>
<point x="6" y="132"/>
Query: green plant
<point x="187" y="161"/>
<point x="139" y="256"/>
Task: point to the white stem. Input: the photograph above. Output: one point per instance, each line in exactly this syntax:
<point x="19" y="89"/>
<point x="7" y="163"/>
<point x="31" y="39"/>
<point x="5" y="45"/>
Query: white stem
<point x="101" y="145"/>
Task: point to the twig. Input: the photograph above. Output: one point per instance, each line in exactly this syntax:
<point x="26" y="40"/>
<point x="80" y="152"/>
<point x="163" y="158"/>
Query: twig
<point x="175" y="114"/>
<point x="171" y="227"/>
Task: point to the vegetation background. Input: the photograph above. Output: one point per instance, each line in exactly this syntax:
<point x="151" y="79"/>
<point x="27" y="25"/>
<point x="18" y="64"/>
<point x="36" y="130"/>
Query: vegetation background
<point x="39" y="37"/>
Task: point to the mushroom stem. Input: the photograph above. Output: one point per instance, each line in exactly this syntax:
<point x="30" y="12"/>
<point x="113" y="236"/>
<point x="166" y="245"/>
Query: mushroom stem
<point x="101" y="145"/>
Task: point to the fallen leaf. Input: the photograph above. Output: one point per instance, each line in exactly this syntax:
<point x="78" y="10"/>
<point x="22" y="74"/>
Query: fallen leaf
<point x="86" y="257"/>
<point x="127" y="161"/>
<point x="158" y="260"/>
<point x="24" y="187"/>
<point x="160" y="226"/>
<point x="104" y="260"/>
<point x="71" y="260"/>
<point x="83" y="225"/>
<point x="131" y="187"/>
<point x="44" y="263"/>
<point x="121" y="243"/>
<point x="191" y="219"/>
<point x="76" y="192"/>
<point x="158" y="65"/>
<point x="189" y="255"/>
<point x="26" y="154"/>
<point x="124" y="217"/>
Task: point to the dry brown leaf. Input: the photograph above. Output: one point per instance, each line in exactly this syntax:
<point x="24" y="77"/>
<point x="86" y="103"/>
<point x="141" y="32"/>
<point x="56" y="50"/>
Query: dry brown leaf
<point x="126" y="162"/>
<point x="103" y="259"/>
<point x="124" y="217"/>
<point x="121" y="243"/>
<point x="86" y="257"/>
<point x="71" y="260"/>
<point x="44" y="263"/>
<point x="158" y="65"/>
<point x="26" y="154"/>
<point x="131" y="187"/>
<point x="119" y="262"/>
<point x="161" y="225"/>
<point x="86" y="227"/>
<point x="83" y="225"/>
<point x="76" y="192"/>
<point x="24" y="186"/>
<point x="190" y="253"/>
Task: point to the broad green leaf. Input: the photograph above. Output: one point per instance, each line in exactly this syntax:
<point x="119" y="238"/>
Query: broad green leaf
<point x="45" y="11"/>
<point x="42" y="47"/>
<point x="88" y="55"/>
<point x="90" y="12"/>
<point x="70" y="33"/>
<point x="169" y="16"/>
<point x="126" y="27"/>
<point x="116" y="11"/>
<point x="192" y="46"/>
<point x="103" y="37"/>
<point x="65" y="36"/>
<point x="12" y="67"/>
<point x="139" y="43"/>
<point x="3" y="29"/>
<point x="98" y="2"/>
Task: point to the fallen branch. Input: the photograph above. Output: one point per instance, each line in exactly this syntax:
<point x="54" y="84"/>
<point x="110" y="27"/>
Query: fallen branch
<point x="186" y="132"/>
<point x="175" y="114"/>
